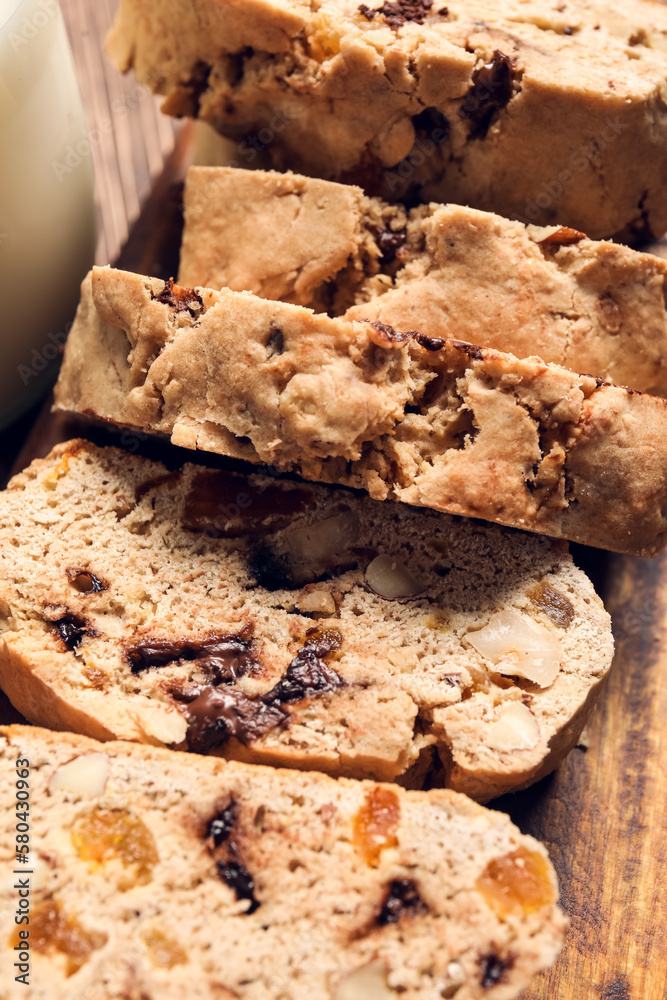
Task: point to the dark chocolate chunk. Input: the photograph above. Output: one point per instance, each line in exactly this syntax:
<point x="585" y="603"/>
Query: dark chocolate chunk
<point x="402" y="897"/>
<point x="492" y="968"/>
<point x="240" y="880"/>
<point x="491" y="91"/>
<point x="196" y="87"/>
<point x="221" y="504"/>
<point x="307" y="674"/>
<point x="271" y="569"/>
<point x="276" y="343"/>
<point x="71" y="630"/>
<point x="181" y="299"/>
<point x="222" y="825"/>
<point x="222" y="658"/>
<point x="429" y="343"/>
<point x="84" y="581"/>
<point x="431" y="124"/>
<point x="397" y="12"/>
<point x="389" y="242"/>
<point x="216" y="715"/>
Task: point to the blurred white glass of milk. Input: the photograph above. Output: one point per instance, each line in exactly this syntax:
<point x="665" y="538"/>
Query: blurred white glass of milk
<point x="47" y="212"/>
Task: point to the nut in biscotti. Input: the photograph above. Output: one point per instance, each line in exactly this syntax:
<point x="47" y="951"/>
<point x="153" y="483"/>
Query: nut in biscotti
<point x="380" y="666"/>
<point x="549" y="112"/>
<point x="432" y="422"/>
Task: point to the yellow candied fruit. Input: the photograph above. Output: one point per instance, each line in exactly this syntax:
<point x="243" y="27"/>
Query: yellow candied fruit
<point x="52" y="930"/>
<point x="375" y="825"/>
<point x="50" y="481"/>
<point x="105" y="834"/>
<point x="164" y="951"/>
<point x="517" y="883"/>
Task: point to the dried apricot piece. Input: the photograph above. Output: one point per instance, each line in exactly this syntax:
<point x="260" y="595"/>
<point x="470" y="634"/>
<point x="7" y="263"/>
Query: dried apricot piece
<point x="376" y="823"/>
<point x="518" y="882"/>
<point x="52" y="930"/>
<point x="104" y="834"/>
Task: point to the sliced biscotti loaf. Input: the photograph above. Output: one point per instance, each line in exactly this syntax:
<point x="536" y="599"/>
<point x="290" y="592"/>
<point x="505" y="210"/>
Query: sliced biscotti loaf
<point x="156" y="874"/>
<point x="432" y="422"/>
<point x="446" y="270"/>
<point x="291" y="624"/>
<point x="551" y="112"/>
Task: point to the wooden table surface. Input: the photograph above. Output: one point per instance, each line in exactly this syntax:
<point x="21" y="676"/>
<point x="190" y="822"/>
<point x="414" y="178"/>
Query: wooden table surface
<point x="603" y="814"/>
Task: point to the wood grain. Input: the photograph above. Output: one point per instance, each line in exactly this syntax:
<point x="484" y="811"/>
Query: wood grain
<point x="602" y="815"/>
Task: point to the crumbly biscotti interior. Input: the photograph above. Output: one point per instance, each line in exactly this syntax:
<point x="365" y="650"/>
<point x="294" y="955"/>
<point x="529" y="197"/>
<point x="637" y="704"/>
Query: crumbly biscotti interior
<point x="432" y="422"/>
<point x="291" y="624"/>
<point x="445" y="270"/>
<point x="156" y="873"/>
<point x="548" y="112"/>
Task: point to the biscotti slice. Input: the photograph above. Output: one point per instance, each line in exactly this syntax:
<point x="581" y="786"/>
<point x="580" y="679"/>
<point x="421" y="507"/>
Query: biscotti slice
<point x="548" y="112"/>
<point x="446" y="270"/>
<point x="156" y="874"/>
<point x="290" y="624"/>
<point x="431" y="422"/>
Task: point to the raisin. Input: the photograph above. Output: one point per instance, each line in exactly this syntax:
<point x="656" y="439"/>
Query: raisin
<point x="308" y="674"/>
<point x="222" y="825"/>
<point x="493" y="969"/>
<point x="389" y="242"/>
<point x="85" y="582"/>
<point x="51" y="929"/>
<point x="554" y="604"/>
<point x="402" y="897"/>
<point x="71" y="630"/>
<point x="238" y="878"/>
<point x="518" y="882"/>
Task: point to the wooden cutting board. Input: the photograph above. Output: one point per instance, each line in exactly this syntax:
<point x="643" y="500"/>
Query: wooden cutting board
<point x="603" y="814"/>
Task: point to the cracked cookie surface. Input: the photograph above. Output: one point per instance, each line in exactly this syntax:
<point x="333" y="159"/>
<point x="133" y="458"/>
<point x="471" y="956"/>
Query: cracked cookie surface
<point x="260" y="884"/>
<point x="297" y="625"/>
<point x="431" y="422"/>
<point x="536" y="110"/>
<point x="446" y="270"/>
